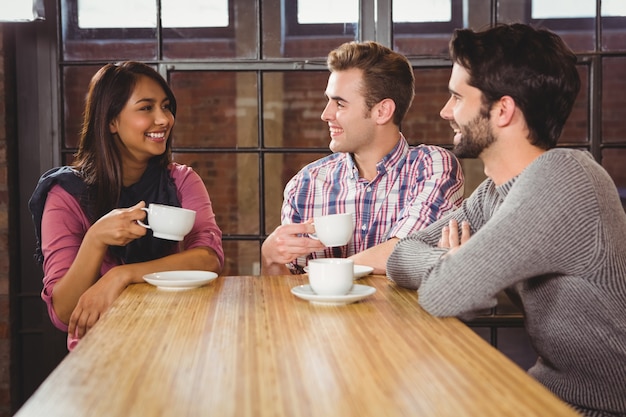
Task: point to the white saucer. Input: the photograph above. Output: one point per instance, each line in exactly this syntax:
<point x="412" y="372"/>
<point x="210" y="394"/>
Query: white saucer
<point x="358" y="292"/>
<point x="179" y="280"/>
<point x="362" y="270"/>
<point x="359" y="270"/>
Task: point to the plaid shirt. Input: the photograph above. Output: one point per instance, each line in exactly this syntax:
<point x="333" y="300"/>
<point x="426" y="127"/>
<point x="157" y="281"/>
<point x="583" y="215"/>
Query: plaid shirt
<point x="414" y="187"/>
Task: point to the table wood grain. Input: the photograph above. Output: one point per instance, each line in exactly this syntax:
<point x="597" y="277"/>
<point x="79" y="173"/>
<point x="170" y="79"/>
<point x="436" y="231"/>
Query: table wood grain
<point x="245" y="346"/>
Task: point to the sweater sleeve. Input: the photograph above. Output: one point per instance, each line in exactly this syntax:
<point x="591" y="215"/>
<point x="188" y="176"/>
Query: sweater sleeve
<point x="417" y="255"/>
<point x="193" y="195"/>
<point x="528" y="235"/>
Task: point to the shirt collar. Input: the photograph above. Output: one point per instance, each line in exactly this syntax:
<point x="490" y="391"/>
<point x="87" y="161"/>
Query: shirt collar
<point x="388" y="162"/>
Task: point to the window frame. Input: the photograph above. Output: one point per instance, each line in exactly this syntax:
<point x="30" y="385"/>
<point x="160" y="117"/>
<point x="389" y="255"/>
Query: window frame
<point x="71" y="30"/>
<point x="293" y="28"/>
<point x="575" y="23"/>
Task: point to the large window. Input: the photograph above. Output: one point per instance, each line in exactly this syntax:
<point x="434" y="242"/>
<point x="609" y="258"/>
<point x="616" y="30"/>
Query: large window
<point x="145" y="13"/>
<point x="180" y="29"/>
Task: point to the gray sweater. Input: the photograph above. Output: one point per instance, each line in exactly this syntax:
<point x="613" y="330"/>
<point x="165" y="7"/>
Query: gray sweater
<point x="554" y="238"/>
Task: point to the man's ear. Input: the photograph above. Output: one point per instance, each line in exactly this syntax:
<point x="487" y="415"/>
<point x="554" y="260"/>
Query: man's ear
<point x="504" y="110"/>
<point x="383" y="111"/>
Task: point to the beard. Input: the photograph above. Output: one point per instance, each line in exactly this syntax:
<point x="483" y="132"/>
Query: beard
<point x="476" y="136"/>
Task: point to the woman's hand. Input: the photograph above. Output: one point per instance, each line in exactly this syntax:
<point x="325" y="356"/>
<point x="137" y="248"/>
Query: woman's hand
<point x="95" y="301"/>
<point x="80" y="294"/>
<point x="119" y="227"/>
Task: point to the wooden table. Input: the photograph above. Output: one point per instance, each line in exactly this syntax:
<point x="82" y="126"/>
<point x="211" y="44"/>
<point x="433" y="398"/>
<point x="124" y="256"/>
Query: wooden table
<point x="245" y="346"/>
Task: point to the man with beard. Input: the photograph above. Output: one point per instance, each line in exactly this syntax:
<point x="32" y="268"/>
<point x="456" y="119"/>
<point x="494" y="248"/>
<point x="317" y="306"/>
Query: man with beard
<point x="547" y="225"/>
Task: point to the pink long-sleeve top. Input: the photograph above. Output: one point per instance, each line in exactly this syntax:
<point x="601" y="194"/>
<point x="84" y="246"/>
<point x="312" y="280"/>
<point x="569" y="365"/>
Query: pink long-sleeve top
<point x="64" y="225"/>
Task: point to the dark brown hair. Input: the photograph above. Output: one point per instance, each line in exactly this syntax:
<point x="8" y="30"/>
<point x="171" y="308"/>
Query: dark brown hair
<point x="533" y="66"/>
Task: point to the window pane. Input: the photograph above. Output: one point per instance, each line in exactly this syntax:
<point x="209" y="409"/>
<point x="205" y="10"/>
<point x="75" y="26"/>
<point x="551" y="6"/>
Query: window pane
<point x="279" y="169"/>
<point x="143" y="13"/>
<point x="292" y="106"/>
<point x="215" y="32"/>
<point x="613" y="25"/>
<point x="191" y="29"/>
<point x="96" y="30"/>
<point x="613" y="8"/>
<point x="573" y="21"/>
<point x="306" y="28"/>
<point x="422" y="10"/>
<point x="424" y="27"/>
<point x="474" y="172"/>
<point x="613" y="161"/>
<point x="421" y="44"/>
<point x="241" y="257"/>
<point x="216" y="109"/>
<point x="75" y="84"/>
<point x="554" y="9"/>
<point x="85" y="47"/>
<point x="317" y="11"/>
<point x="483" y="332"/>
<point x="232" y="180"/>
<point x="613" y="103"/>
<point x="194" y="13"/>
<point x="137" y="14"/>
<point x="422" y="124"/>
<point x="576" y="129"/>
<point x="515" y="344"/>
<point x="21" y="10"/>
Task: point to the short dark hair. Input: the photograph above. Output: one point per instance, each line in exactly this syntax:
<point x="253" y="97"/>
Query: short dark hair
<point x="533" y="66"/>
<point x="386" y="73"/>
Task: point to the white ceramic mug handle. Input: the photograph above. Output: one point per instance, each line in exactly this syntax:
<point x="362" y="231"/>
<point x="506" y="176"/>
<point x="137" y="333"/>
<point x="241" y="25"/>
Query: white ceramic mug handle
<point x="139" y="222"/>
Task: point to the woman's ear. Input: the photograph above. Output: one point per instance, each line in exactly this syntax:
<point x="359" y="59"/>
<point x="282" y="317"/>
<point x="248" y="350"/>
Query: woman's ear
<point x="113" y="127"/>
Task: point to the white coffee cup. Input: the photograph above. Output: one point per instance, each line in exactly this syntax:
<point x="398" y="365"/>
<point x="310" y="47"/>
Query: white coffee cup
<point x="334" y="229"/>
<point x="168" y="222"/>
<point x="331" y="276"/>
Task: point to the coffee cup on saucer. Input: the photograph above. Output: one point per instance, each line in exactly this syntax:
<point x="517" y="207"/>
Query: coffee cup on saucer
<point x="331" y="276"/>
<point x="168" y="222"/>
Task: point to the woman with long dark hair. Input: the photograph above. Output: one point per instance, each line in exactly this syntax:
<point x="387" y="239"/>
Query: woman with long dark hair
<point x="86" y="214"/>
